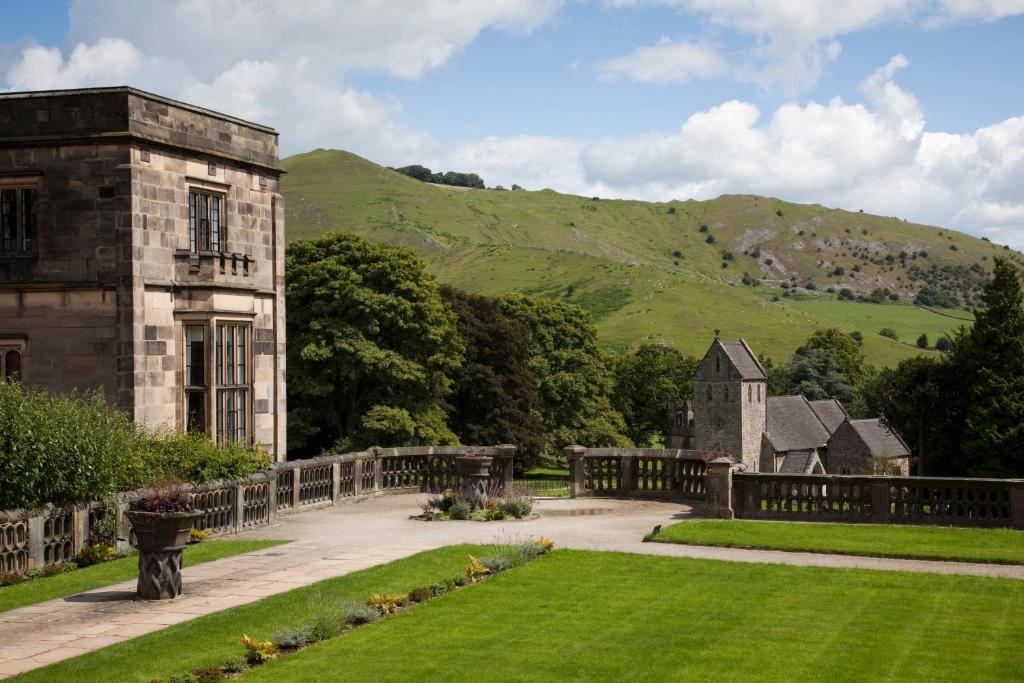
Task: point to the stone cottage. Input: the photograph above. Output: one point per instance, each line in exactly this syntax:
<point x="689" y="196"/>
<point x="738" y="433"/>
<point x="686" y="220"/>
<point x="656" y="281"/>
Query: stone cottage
<point x="730" y="410"/>
<point x="142" y="253"/>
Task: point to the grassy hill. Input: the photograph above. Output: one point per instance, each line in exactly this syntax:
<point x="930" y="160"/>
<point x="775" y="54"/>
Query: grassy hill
<point x="649" y="271"/>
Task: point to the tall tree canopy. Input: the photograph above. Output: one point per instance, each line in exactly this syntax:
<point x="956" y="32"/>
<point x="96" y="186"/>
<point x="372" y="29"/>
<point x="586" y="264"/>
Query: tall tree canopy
<point x="370" y="344"/>
<point x="645" y="381"/>
<point x="494" y="397"/>
<point x="573" y="380"/>
<point x="991" y="355"/>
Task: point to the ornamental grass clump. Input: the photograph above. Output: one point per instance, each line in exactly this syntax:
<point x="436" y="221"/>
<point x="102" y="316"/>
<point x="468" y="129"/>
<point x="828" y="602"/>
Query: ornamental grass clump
<point x="291" y="638"/>
<point x="324" y="618"/>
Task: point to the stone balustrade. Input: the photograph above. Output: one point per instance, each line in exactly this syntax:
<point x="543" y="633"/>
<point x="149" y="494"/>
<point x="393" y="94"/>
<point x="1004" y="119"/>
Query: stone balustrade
<point x="874" y="499"/>
<point x="35" y="538"/>
<point x="636" y="472"/>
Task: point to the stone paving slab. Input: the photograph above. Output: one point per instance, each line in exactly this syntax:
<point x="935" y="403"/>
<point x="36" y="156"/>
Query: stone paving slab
<point x="334" y="541"/>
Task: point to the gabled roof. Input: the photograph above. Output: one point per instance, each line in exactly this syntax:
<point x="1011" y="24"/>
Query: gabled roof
<point x="792" y="425"/>
<point x="743" y="359"/>
<point x="830" y="412"/>
<point x="799" y="462"/>
<point x="880" y="440"/>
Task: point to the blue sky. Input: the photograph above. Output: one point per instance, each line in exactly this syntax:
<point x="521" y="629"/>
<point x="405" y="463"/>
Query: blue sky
<point x="900" y="107"/>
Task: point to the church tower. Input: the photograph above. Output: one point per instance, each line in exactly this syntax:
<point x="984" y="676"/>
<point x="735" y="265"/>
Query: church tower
<point x="730" y="392"/>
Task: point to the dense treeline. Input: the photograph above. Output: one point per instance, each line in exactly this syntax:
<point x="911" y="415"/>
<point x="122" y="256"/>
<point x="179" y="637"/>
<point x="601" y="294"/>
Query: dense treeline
<point x="447" y="178"/>
<point x="380" y="353"/>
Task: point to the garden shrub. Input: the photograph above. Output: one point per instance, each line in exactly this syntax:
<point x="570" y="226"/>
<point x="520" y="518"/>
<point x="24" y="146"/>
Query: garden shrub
<point x="476" y="569"/>
<point x="95" y="553"/>
<point x="58" y="568"/>
<point x="76" y="448"/>
<point x="496" y="564"/>
<point x="357" y="613"/>
<point x="187" y="677"/>
<point x="386" y="603"/>
<point x="233" y="665"/>
<point x="459" y="509"/>
<point x="420" y="594"/>
<point x="324" y="618"/>
<point x="259" y="651"/>
<point x="208" y="674"/>
<point x="11" y="579"/>
<point x="291" y="638"/>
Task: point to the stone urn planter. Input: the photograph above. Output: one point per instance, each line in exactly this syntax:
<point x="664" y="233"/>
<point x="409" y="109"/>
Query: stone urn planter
<point x="160" y="538"/>
<point x="474" y="470"/>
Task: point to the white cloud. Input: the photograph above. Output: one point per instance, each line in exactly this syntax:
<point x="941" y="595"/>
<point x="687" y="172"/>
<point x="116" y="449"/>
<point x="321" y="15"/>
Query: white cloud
<point x="665" y="62"/>
<point x="796" y="39"/>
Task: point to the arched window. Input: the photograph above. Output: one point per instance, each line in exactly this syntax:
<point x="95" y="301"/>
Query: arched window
<point x="758" y="393"/>
<point x="725" y="393"/>
<point x="750" y="393"/>
<point x="709" y="394"/>
<point x="718" y="363"/>
<point x="12" y="365"/>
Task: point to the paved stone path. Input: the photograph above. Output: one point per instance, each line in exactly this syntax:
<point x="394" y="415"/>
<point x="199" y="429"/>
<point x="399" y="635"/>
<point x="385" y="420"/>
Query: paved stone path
<point x="337" y="540"/>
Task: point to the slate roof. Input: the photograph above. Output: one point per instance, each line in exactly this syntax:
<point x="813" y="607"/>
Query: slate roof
<point x="879" y="439"/>
<point x="830" y="412"/>
<point x="744" y="359"/>
<point x="799" y="462"/>
<point x="792" y="425"/>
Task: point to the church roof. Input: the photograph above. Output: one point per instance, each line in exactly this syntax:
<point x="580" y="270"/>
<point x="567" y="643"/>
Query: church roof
<point x="879" y="439"/>
<point x="792" y="425"/>
<point x="830" y="412"/>
<point x="743" y="359"/>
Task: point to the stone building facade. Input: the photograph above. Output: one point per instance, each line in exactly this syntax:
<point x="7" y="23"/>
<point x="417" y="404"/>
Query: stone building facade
<point x="730" y="410"/>
<point x="142" y="253"/>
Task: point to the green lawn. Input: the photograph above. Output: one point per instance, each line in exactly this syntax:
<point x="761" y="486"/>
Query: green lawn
<point x="613" y="616"/>
<point x="39" y="590"/>
<point x="1004" y="546"/>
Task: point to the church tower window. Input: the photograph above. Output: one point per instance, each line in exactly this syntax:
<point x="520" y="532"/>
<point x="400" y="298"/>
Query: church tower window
<point x="709" y="394"/>
<point x="725" y="393"/>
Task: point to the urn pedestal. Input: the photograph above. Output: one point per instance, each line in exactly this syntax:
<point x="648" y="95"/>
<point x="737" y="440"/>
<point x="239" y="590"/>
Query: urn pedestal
<point x="160" y="538"/>
<point x="474" y="470"/>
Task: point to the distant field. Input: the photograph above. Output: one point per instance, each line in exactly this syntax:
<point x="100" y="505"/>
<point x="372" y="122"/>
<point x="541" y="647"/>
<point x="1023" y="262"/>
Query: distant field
<point x="650" y="271"/>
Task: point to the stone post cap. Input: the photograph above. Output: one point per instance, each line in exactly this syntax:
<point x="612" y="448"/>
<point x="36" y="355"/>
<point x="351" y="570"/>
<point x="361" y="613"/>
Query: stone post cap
<point x="575" y="451"/>
<point x="722" y="460"/>
<point x="507" y="448"/>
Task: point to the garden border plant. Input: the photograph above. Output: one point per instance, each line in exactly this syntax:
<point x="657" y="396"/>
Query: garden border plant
<point x="326" y="619"/>
<point x="516" y="503"/>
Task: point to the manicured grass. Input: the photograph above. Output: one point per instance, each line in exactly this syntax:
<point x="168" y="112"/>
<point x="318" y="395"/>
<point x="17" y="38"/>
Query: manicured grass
<point x="547" y="473"/>
<point x="613" y="616"/>
<point x="96" y="576"/>
<point x="1004" y="546"/>
<point x="209" y="640"/>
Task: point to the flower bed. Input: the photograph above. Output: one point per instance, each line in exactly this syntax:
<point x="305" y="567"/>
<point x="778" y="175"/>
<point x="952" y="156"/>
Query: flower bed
<point x="515" y="504"/>
<point x="329" y="616"/>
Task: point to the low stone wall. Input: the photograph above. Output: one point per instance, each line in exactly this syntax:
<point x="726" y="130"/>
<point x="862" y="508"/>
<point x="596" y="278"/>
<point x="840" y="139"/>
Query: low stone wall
<point x="874" y="499"/>
<point x="636" y="472"/>
<point x="35" y="538"/>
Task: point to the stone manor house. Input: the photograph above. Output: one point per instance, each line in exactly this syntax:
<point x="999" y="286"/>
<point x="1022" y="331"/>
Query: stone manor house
<point x="731" y="410"/>
<point x="142" y="253"/>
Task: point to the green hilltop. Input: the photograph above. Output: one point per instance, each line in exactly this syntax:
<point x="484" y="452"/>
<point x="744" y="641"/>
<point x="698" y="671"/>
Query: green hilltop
<point x="647" y="271"/>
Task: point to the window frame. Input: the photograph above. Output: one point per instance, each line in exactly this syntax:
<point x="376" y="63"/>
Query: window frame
<point x="8" y="346"/>
<point x="19" y="190"/>
<point x="218" y="394"/>
<point x="212" y="237"/>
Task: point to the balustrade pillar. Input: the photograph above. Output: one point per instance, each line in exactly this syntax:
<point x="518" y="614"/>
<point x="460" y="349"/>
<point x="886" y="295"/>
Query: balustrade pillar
<point x="357" y="476"/>
<point x="574" y="454"/>
<point x="718" y="491"/>
<point x="36" y="541"/>
<point x="880" y="513"/>
<point x="378" y="468"/>
<point x="296" y="478"/>
<point x="239" y="505"/>
<point x="1017" y="504"/>
<point x="507" y="453"/>
<point x="335" y="482"/>
<point x="628" y="473"/>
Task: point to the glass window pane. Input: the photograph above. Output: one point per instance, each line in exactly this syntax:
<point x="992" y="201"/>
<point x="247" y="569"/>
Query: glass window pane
<point x="215" y="223"/>
<point x="195" y="356"/>
<point x="241" y="435"/>
<point x="241" y="354"/>
<point x="229" y="361"/>
<point x="192" y="243"/>
<point x="8" y="220"/>
<point x="220" y="354"/>
<point x="195" y="411"/>
<point x="28" y="219"/>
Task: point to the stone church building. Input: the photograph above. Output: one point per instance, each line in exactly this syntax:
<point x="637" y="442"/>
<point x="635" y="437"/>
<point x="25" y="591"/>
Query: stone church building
<point x="142" y="253"/>
<point x="731" y="410"/>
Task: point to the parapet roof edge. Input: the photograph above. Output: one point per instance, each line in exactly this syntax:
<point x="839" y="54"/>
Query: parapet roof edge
<point x="127" y="89"/>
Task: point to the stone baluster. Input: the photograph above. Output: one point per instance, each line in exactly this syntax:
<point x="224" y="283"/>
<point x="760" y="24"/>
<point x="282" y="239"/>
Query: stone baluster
<point x="574" y="454"/>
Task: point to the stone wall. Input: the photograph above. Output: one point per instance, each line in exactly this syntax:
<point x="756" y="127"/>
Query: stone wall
<point x="113" y="168"/>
